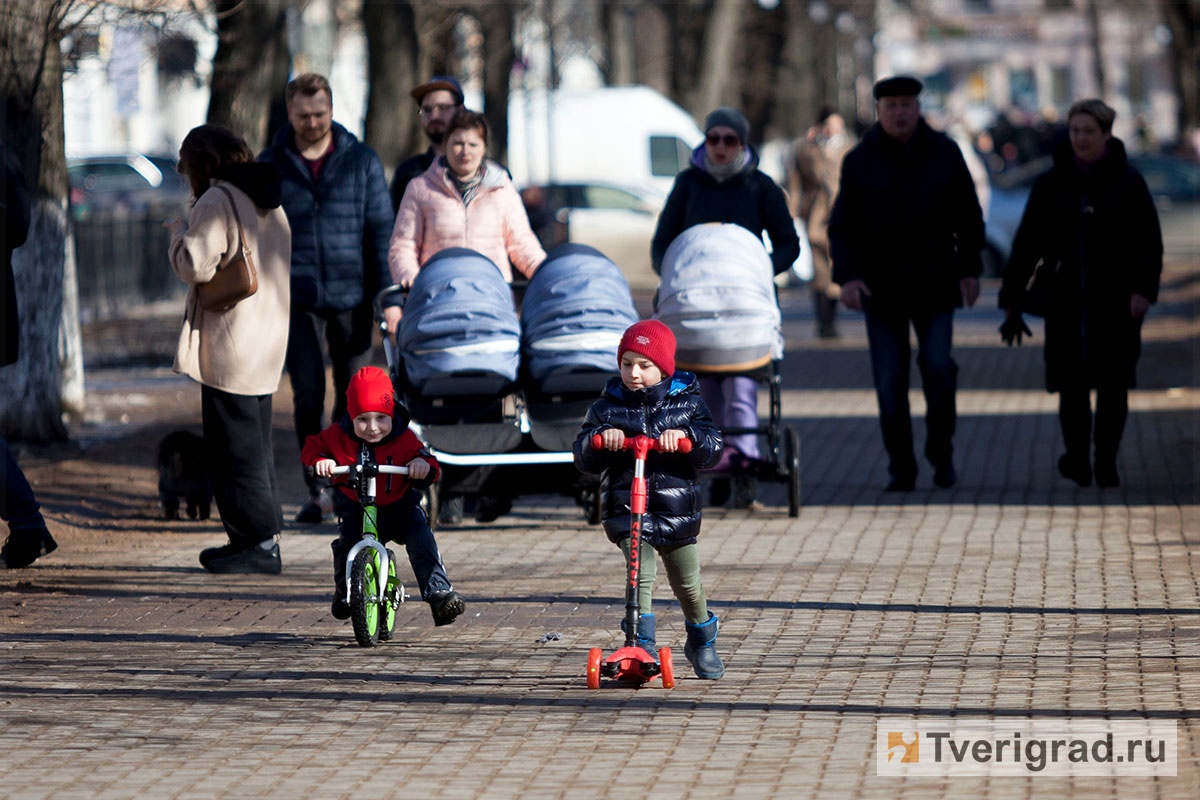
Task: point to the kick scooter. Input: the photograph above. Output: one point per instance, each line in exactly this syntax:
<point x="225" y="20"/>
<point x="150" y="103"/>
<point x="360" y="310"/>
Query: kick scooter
<point x="632" y="663"/>
<point x="373" y="598"/>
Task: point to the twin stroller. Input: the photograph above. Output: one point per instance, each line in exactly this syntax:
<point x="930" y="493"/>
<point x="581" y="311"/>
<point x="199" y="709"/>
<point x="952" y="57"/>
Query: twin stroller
<point x="498" y="396"/>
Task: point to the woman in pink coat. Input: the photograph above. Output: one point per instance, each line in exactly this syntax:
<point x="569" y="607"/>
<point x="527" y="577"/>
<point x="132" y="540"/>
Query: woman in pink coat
<point x="463" y="200"/>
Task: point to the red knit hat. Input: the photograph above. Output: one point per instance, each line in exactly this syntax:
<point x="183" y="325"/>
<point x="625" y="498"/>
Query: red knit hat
<point x="653" y="340"/>
<point x="370" y="390"/>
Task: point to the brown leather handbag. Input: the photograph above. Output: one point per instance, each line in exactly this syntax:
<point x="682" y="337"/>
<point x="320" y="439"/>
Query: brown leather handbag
<point x="234" y="282"/>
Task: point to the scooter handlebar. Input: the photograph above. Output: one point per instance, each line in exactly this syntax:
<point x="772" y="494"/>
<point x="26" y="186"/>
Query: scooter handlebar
<point x="631" y="443"/>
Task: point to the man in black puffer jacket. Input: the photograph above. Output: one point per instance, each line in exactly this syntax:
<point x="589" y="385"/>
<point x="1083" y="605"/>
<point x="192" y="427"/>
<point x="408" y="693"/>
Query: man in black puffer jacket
<point x="336" y="198"/>
<point x="651" y="399"/>
<point x="905" y="235"/>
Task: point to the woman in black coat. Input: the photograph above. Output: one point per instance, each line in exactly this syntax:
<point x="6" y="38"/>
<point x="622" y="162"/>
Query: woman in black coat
<point x="1087" y="257"/>
<point x="724" y="184"/>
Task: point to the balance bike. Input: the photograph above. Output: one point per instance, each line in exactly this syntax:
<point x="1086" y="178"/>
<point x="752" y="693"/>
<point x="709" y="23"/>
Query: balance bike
<point x="632" y="663"/>
<point x="373" y="599"/>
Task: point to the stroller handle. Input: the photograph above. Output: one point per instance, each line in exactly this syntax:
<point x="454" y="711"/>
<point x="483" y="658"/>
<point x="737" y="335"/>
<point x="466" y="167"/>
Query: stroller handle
<point x="642" y="444"/>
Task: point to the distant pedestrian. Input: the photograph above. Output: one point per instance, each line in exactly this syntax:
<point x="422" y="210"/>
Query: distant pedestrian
<point x="235" y="354"/>
<point x="814" y="172"/>
<point x="438" y="100"/>
<point x="724" y="184"/>
<point x="1089" y="249"/>
<point x="376" y="427"/>
<point x="651" y="398"/>
<point x="906" y="235"/>
<point x="28" y="539"/>
<point x="336" y="199"/>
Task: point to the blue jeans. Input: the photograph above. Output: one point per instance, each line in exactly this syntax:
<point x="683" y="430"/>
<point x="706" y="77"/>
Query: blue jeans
<point x="403" y="521"/>
<point x="890" y="357"/>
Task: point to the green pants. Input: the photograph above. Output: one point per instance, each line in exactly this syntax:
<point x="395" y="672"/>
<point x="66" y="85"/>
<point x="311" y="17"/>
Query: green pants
<point x="682" y="562"/>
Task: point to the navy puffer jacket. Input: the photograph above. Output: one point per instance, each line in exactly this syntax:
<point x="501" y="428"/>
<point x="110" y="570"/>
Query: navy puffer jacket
<point x="673" y="506"/>
<point x="341" y="223"/>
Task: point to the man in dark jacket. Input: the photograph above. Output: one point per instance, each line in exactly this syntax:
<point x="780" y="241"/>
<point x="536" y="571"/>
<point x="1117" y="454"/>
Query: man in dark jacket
<point x="438" y="100"/>
<point x="905" y="236"/>
<point x="336" y="199"/>
<point x="28" y="538"/>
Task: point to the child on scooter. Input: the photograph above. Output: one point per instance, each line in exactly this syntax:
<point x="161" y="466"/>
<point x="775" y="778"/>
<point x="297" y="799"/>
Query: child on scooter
<point x="376" y="426"/>
<point x="652" y="399"/>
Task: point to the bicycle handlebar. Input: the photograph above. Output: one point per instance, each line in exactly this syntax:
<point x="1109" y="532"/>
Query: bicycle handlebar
<point x="637" y="442"/>
<point x="384" y="469"/>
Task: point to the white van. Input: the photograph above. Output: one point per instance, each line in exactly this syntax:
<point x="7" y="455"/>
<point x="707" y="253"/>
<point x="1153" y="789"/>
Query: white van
<point x="607" y="168"/>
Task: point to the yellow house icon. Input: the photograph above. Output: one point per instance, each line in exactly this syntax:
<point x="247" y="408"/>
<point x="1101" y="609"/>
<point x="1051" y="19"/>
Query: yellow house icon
<point x="904" y="747"/>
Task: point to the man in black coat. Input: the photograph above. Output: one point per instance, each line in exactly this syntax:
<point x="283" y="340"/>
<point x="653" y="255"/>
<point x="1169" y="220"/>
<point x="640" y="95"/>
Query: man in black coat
<point x="905" y="236"/>
<point x="336" y="198"/>
<point x="438" y="100"/>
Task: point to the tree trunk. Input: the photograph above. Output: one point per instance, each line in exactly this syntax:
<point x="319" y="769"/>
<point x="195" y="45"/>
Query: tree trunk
<point x="499" y="55"/>
<point x="795" y="85"/>
<point x="1183" y="17"/>
<point x="718" y="57"/>
<point x="246" y="84"/>
<point x="618" y="41"/>
<point x="653" y="47"/>
<point x="1094" y="41"/>
<point x="391" y="127"/>
<point x="31" y="389"/>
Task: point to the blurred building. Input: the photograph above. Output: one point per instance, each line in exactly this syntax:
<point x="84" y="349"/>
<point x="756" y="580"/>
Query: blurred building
<point x="1030" y="59"/>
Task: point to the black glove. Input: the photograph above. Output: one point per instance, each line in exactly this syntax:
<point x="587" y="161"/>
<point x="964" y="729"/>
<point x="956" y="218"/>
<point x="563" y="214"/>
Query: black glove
<point x="1013" y="329"/>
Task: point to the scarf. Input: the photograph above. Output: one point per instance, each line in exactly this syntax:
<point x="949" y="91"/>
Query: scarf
<point x="722" y="172"/>
<point x="466" y="187"/>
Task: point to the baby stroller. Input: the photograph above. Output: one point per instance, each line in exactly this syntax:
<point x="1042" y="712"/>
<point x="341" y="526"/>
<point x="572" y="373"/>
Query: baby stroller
<point x="718" y="297"/>
<point x="500" y="402"/>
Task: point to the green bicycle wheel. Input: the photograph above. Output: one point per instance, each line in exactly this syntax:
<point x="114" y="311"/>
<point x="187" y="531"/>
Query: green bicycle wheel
<point x="387" y="620"/>
<point x="364" y="597"/>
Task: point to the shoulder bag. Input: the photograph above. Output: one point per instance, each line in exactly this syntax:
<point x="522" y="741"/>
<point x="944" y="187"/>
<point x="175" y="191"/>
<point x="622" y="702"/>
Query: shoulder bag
<point x="234" y="282"/>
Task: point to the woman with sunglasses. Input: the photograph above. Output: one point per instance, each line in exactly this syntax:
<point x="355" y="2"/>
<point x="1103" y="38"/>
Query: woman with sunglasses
<point x="724" y="184"/>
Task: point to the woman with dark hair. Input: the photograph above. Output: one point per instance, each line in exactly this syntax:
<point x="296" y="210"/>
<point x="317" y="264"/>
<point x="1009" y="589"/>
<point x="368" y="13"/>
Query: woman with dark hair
<point x="237" y="353"/>
<point x="1087" y="257"/>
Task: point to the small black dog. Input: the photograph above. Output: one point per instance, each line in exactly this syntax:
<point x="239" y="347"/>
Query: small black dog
<point x="182" y="471"/>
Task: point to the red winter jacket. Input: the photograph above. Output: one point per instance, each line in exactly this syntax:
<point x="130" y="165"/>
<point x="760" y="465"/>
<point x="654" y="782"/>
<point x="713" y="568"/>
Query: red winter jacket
<point x="397" y="449"/>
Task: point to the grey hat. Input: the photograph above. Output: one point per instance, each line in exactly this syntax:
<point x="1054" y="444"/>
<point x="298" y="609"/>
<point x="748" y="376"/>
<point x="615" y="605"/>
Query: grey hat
<point x="898" y="86"/>
<point x="730" y="118"/>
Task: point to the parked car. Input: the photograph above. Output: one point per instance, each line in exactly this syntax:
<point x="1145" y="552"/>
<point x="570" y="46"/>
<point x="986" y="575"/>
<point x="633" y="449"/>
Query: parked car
<point x="127" y="184"/>
<point x="619" y="221"/>
<point x="1173" y="182"/>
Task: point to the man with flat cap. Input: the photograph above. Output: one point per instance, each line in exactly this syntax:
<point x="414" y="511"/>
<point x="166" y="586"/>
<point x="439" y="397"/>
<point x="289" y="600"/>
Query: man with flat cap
<point x="438" y="100"/>
<point x="905" y="235"/>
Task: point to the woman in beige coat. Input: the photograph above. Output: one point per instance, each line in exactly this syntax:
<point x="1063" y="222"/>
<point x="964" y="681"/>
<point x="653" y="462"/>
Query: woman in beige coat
<point x="235" y="354"/>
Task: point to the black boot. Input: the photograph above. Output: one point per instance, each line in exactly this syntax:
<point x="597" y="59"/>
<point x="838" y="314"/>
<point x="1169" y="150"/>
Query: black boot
<point x="701" y="649"/>
<point x="645" y="636"/>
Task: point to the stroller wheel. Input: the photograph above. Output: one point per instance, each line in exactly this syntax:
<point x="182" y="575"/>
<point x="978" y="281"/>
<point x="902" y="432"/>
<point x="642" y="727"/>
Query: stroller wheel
<point x="792" y="454"/>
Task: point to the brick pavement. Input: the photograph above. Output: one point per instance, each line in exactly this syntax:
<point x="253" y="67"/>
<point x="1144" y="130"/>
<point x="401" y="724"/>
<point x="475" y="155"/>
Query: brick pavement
<point x="129" y="672"/>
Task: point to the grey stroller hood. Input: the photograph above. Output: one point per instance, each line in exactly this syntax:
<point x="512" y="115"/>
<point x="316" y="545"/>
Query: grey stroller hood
<point x="575" y="310"/>
<point x="718" y="297"/>
<point x="459" y="334"/>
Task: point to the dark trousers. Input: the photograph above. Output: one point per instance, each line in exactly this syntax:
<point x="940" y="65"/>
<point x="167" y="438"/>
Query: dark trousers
<point x="403" y="522"/>
<point x="348" y="336"/>
<point x="241" y="461"/>
<point x="1075" y="417"/>
<point x="890" y="356"/>
<point x="18" y="505"/>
